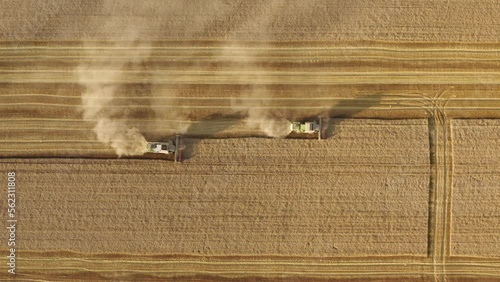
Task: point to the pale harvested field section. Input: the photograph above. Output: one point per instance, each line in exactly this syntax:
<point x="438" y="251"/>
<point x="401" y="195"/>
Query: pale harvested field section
<point x="252" y="196"/>
<point x="291" y="81"/>
<point x="476" y="193"/>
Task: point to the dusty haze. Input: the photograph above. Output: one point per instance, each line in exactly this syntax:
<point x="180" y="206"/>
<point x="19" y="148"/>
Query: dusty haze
<point x="99" y="104"/>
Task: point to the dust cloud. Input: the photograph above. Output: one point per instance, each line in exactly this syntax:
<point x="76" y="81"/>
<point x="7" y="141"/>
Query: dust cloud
<point x="271" y="126"/>
<point x="255" y="107"/>
<point x="117" y="127"/>
<point x="170" y="119"/>
<point x="101" y="78"/>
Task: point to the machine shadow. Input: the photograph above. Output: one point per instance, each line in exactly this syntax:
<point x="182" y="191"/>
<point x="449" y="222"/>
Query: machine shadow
<point x="343" y="110"/>
<point x="207" y="128"/>
<point x="349" y="109"/>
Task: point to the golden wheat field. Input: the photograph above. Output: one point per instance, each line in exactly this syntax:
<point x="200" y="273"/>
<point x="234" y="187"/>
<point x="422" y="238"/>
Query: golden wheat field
<point x="404" y="185"/>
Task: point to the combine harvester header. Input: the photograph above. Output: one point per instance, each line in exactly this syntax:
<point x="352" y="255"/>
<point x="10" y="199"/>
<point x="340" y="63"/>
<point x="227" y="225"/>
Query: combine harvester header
<point x="174" y="147"/>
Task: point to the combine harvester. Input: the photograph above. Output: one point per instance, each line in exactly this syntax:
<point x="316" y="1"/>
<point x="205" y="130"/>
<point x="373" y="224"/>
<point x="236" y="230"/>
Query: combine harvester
<point x="309" y="127"/>
<point x="174" y="147"/>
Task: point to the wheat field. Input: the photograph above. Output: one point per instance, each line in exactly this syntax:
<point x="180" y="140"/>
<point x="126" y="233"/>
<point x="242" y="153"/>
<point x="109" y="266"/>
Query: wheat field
<point x="404" y="186"/>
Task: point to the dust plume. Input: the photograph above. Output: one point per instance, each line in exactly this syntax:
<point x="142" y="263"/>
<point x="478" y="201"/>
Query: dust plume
<point x="255" y="106"/>
<point x="170" y="120"/>
<point x="101" y="79"/>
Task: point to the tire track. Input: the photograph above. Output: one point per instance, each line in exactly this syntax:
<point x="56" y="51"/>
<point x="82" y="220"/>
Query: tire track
<point x="441" y="150"/>
<point x="227" y="267"/>
<point x="441" y="187"/>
